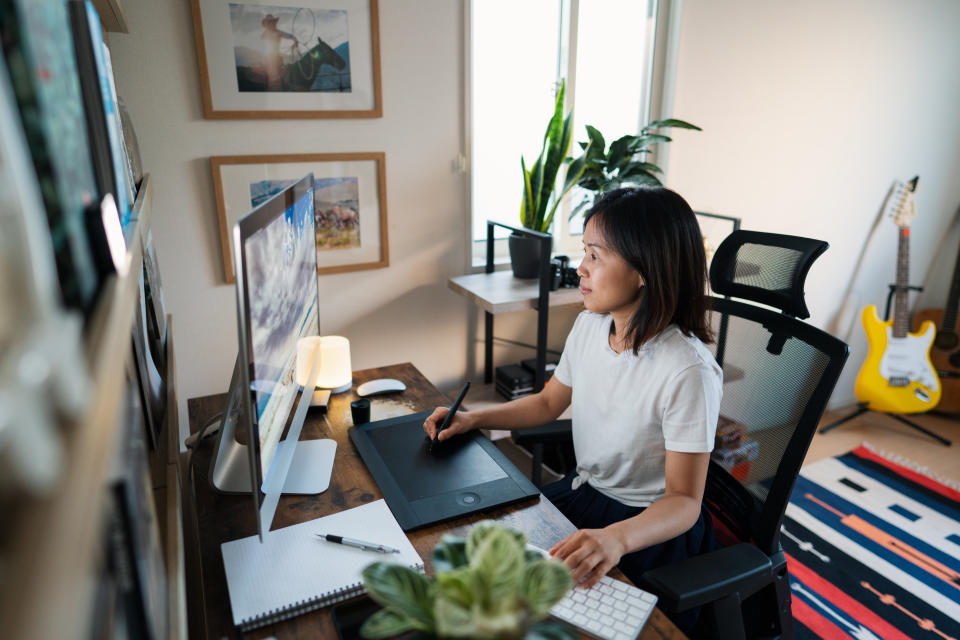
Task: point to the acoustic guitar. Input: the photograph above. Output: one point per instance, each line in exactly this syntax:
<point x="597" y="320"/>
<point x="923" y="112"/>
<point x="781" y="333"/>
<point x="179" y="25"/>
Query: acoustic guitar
<point x="898" y="376"/>
<point x="945" y="352"/>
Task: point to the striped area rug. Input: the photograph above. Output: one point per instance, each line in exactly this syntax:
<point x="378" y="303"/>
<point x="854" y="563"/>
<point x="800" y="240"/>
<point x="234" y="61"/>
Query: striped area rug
<point x="873" y="549"/>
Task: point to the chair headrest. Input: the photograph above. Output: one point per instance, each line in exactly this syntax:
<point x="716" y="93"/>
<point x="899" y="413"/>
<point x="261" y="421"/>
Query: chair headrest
<point x="769" y="268"/>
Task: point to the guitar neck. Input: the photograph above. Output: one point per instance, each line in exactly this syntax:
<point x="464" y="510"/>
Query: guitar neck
<point x="900" y="320"/>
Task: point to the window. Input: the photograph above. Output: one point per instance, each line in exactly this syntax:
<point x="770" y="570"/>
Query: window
<point x="518" y="53"/>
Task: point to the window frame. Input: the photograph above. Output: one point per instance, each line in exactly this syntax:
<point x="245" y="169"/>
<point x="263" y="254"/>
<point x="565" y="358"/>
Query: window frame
<point x="660" y="68"/>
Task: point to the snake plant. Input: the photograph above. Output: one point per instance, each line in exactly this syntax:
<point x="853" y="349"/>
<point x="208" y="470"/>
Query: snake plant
<point x="540" y="198"/>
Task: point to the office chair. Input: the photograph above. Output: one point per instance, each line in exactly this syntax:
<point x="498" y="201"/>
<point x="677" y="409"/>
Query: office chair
<point x="779" y="373"/>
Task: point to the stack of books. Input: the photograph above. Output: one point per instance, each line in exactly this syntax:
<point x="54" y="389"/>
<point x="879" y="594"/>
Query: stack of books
<point x="530" y="365"/>
<point x="513" y="381"/>
<point x="733" y="449"/>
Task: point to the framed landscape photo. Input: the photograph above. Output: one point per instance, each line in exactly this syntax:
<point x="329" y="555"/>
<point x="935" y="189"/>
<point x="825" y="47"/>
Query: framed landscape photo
<point x="288" y="58"/>
<point x="349" y="203"/>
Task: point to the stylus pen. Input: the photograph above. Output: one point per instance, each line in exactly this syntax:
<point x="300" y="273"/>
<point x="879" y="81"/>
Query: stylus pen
<point x="359" y="544"/>
<point x="453" y="409"/>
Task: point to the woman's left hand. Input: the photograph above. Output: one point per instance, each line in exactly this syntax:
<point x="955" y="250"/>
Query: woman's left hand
<point x="589" y="554"/>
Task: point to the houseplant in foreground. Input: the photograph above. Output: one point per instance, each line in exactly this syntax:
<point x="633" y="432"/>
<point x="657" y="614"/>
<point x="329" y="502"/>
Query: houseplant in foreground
<point x="487" y="585"/>
<point x="540" y="194"/>
<point x="623" y="164"/>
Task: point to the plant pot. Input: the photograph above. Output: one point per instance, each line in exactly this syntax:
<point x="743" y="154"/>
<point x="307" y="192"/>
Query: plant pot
<point x="525" y="255"/>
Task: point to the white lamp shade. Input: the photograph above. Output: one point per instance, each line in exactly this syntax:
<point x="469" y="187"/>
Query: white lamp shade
<point x="336" y="373"/>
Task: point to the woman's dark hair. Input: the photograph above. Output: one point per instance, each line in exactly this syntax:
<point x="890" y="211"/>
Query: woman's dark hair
<point x="656" y="232"/>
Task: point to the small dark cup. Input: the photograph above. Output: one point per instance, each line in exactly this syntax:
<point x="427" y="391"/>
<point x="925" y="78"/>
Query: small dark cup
<point x="360" y="411"/>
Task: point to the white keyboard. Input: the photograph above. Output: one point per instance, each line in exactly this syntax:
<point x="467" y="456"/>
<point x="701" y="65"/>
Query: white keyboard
<point x="609" y="610"/>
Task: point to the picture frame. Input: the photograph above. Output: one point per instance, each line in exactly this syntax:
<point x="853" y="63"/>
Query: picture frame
<point x="149" y="377"/>
<point x="255" y="63"/>
<point x="49" y="101"/>
<point x="88" y="43"/>
<point x="134" y="544"/>
<point x="349" y="199"/>
<point x="156" y="315"/>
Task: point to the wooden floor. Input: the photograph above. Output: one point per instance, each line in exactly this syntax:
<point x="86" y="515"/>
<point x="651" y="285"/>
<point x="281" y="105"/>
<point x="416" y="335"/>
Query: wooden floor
<point x="892" y="436"/>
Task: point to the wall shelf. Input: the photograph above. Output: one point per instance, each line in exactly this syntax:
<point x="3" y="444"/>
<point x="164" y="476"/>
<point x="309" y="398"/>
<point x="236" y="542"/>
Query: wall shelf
<point x="113" y="17"/>
<point x="51" y="543"/>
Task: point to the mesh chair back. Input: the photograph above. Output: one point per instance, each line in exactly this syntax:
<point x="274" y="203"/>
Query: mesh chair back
<point x="768" y="268"/>
<point x="779" y="373"/>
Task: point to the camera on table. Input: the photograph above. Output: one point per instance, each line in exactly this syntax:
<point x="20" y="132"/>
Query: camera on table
<point x="561" y="275"/>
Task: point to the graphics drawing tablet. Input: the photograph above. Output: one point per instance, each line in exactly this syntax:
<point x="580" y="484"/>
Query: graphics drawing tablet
<point x="464" y="474"/>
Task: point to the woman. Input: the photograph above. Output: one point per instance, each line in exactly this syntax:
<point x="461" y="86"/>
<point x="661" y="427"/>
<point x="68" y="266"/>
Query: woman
<point x="645" y="391"/>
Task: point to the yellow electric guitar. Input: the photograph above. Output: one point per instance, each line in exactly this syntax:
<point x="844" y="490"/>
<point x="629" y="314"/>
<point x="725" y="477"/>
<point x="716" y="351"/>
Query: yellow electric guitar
<point x="897" y="376"/>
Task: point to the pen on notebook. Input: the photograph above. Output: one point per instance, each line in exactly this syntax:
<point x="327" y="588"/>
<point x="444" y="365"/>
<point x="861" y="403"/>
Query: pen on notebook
<point x="359" y="544"/>
<point x="453" y="410"/>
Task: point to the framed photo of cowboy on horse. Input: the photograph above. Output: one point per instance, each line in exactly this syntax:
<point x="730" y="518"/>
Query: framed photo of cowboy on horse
<point x="288" y="58"/>
<point x="349" y="199"/>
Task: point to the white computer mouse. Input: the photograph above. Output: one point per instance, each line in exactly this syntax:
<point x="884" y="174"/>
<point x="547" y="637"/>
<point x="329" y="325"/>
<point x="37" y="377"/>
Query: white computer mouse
<point x="381" y="385"/>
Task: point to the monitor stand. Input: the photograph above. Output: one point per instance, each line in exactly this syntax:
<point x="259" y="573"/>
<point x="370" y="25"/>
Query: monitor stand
<point x="307" y="473"/>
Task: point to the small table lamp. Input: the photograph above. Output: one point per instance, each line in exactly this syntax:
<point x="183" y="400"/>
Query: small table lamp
<point x="336" y="374"/>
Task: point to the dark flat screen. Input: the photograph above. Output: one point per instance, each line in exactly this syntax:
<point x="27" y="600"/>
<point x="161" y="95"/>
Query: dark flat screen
<point x="422" y="474"/>
<point x="462" y="475"/>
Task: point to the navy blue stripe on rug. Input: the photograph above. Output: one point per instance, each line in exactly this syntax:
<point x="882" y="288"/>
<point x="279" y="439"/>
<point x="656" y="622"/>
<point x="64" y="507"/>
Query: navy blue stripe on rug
<point x="848" y="574"/>
<point x="804" y="485"/>
<point x="827" y="516"/>
<point x="918" y="492"/>
<point x="903" y="511"/>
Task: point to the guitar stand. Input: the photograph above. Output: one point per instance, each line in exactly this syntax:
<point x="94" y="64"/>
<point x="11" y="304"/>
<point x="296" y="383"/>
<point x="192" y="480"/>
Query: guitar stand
<point x="893" y="290"/>
<point x="862" y="408"/>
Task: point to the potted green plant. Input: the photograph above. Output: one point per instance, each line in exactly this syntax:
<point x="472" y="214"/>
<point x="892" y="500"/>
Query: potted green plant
<point x="488" y="585"/>
<point x="540" y="195"/>
<point x="623" y="164"/>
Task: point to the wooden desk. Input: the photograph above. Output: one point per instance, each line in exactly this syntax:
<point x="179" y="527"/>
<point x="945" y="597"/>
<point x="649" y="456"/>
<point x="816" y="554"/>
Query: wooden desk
<point x="213" y="518"/>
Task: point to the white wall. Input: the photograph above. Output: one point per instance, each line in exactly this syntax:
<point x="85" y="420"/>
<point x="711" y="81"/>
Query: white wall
<point x="398" y="314"/>
<point x="810" y="110"/>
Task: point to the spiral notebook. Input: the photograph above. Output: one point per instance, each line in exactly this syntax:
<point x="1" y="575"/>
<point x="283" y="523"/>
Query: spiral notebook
<point x="293" y="571"/>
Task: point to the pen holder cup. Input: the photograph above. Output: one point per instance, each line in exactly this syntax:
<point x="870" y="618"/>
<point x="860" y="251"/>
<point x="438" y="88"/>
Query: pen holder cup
<point x="360" y="411"/>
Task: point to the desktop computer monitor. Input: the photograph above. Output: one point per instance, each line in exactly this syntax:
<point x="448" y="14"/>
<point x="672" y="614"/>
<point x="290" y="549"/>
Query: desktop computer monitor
<point x="275" y="263"/>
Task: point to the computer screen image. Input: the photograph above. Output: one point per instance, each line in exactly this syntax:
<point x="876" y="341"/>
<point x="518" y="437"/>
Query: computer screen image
<point x="277" y="306"/>
<point x="278" y="254"/>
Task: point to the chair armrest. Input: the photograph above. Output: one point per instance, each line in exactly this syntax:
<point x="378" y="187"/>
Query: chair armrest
<point x="699" y="580"/>
<point x="556" y="431"/>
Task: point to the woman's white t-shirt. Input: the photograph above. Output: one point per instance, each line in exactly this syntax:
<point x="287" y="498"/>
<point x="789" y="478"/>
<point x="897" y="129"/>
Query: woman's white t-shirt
<point x="628" y="409"/>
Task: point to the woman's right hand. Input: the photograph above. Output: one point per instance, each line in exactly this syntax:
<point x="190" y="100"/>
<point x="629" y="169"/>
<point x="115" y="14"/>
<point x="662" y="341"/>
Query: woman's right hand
<point x="461" y="423"/>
